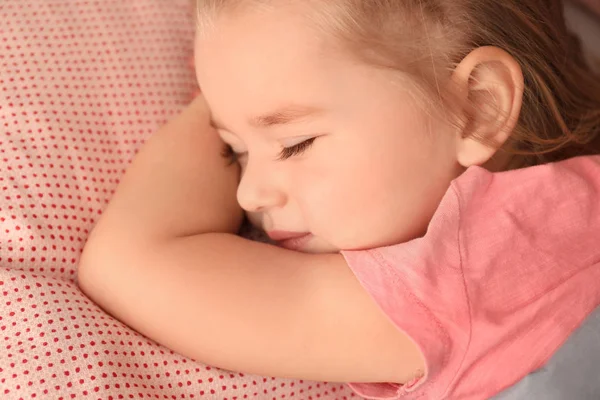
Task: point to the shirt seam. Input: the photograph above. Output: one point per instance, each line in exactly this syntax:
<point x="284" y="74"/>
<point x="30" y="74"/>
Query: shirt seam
<point x="466" y="291"/>
<point x="430" y="382"/>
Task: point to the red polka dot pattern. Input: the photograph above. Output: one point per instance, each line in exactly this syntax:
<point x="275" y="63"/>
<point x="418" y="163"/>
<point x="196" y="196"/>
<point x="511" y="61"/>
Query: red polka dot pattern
<point x="82" y="84"/>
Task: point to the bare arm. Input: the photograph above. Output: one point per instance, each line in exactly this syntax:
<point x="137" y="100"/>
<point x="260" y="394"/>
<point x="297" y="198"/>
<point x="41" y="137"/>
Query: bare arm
<point x="164" y="260"/>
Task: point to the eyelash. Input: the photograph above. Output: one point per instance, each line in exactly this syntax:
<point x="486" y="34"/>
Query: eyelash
<point x="286" y="152"/>
<point x="229" y="155"/>
<point x="296" y="150"/>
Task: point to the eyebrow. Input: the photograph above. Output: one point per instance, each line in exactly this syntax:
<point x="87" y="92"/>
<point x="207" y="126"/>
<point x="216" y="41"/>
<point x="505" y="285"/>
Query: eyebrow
<point x="282" y="116"/>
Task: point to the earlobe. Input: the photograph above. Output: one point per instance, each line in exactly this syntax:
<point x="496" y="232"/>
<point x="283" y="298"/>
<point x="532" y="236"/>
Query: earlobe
<point x="490" y="82"/>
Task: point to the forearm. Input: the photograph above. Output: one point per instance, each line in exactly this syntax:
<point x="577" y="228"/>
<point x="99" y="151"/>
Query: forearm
<point x="159" y="261"/>
<point x="178" y="185"/>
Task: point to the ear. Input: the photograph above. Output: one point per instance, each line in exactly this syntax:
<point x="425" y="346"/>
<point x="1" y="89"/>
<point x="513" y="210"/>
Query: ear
<point x="490" y="82"/>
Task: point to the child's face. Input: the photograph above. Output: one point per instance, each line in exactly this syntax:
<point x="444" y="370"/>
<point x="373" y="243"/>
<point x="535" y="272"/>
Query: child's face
<point x="379" y="165"/>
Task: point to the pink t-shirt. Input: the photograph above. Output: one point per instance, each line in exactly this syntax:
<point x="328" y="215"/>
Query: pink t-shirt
<point x="509" y="268"/>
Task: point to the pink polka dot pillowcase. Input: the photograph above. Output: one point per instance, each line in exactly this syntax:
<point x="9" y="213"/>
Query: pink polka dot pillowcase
<point x="82" y="84"/>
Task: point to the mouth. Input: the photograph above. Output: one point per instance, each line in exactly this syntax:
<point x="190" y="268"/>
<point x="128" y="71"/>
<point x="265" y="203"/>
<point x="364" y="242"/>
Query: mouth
<point x="290" y="240"/>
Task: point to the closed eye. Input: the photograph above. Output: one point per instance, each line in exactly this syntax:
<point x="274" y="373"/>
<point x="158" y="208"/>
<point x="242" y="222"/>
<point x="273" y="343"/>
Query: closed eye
<point x="295" y="150"/>
<point x="230" y="155"/>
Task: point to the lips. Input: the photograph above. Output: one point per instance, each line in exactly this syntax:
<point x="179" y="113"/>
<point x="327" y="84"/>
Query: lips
<point x="284" y="235"/>
<point x="290" y="240"/>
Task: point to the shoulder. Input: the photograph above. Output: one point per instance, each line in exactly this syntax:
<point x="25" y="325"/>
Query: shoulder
<point x="575" y="176"/>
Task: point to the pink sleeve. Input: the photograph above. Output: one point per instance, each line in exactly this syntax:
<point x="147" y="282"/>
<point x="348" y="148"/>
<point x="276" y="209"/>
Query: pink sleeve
<point x="419" y="285"/>
<point x="509" y="267"/>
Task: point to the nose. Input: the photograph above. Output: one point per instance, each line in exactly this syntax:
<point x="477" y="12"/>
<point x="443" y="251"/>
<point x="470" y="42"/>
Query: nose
<point x="259" y="189"/>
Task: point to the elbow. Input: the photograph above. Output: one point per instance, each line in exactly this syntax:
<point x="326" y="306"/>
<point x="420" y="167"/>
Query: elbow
<point x="108" y="260"/>
<point x="88" y="279"/>
<point x="99" y="264"/>
<point x="94" y="280"/>
<point x="102" y="272"/>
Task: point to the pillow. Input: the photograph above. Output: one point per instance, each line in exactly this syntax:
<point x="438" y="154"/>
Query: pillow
<point x="82" y="85"/>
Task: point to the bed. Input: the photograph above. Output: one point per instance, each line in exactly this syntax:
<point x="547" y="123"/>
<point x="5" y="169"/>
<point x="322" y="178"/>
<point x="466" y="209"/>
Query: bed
<point x="83" y="83"/>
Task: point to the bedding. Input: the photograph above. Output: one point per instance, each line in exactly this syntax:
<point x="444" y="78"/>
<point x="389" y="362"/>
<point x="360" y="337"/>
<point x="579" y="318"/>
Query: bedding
<point x="82" y="84"/>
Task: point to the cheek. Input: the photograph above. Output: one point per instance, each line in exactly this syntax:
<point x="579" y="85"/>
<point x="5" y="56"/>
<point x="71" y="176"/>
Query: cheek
<point x="376" y="195"/>
<point x="375" y="192"/>
<point x="323" y="191"/>
<point x="335" y="197"/>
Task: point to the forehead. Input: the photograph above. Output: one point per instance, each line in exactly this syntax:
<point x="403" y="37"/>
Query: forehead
<point x="266" y="54"/>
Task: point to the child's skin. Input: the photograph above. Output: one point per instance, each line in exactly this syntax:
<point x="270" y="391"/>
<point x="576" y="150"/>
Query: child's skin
<point x="164" y="257"/>
<point x="361" y="168"/>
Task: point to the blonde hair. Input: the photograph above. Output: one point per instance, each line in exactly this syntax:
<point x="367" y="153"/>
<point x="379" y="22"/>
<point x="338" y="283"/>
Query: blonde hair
<point x="426" y="39"/>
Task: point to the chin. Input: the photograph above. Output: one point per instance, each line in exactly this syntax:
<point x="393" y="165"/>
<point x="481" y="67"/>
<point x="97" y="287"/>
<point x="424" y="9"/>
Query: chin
<point x="319" y="246"/>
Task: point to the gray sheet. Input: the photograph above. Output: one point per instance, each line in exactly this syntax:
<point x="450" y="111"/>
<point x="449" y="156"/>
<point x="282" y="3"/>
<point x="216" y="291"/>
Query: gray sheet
<point x="573" y="373"/>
